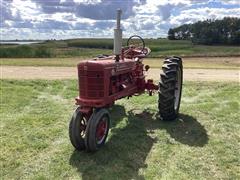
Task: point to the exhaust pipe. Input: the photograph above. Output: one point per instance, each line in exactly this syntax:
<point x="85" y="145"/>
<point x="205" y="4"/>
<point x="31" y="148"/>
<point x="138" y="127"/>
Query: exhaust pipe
<point x="118" y="37"/>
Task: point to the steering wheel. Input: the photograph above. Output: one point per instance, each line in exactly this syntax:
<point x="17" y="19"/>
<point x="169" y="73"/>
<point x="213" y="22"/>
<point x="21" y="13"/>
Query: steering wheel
<point x="136" y="42"/>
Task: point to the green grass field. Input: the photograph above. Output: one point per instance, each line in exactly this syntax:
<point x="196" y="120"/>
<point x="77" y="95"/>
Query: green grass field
<point x="92" y="47"/>
<point x="204" y="63"/>
<point x="203" y="143"/>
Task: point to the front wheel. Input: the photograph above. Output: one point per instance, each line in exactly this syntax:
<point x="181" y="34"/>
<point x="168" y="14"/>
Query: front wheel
<point x="77" y="129"/>
<point x="170" y="88"/>
<point x="97" y="129"/>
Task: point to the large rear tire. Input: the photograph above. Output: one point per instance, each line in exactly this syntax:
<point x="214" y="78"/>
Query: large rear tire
<point x="170" y="88"/>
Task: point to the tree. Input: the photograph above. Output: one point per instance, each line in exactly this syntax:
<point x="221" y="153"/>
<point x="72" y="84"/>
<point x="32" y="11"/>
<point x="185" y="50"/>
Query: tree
<point x="225" y="31"/>
<point x="171" y="34"/>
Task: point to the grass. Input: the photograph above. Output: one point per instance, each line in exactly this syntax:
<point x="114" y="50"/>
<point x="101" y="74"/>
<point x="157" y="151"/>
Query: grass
<point x="202" y="144"/>
<point x="24" y="51"/>
<point x="204" y="63"/>
<point x="92" y="47"/>
<point x="67" y="62"/>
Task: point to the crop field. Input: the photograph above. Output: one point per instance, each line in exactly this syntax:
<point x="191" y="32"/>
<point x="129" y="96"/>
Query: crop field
<point x="91" y="47"/>
<point x="190" y="63"/>
<point x="203" y="143"/>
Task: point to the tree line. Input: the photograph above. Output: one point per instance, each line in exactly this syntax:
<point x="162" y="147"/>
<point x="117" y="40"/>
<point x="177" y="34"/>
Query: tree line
<point x="225" y="31"/>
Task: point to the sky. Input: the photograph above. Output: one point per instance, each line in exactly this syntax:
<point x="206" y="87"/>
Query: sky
<point x="65" y="19"/>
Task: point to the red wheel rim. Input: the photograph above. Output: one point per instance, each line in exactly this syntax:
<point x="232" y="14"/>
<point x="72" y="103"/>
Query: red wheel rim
<point x="101" y="130"/>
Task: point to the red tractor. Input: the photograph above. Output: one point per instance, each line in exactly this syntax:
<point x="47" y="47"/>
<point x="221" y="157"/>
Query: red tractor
<point x="105" y="79"/>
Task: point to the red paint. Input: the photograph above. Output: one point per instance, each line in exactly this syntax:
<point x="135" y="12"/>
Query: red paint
<point x="101" y="129"/>
<point x="102" y="81"/>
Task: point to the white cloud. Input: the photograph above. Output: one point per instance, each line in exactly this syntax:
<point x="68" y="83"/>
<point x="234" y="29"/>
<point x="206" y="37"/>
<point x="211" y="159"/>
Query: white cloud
<point x="83" y="1"/>
<point x="231" y="2"/>
<point x="152" y="6"/>
<point x="42" y="34"/>
<point x="193" y="15"/>
<point x="96" y="18"/>
<point x="26" y="9"/>
<point x="87" y="1"/>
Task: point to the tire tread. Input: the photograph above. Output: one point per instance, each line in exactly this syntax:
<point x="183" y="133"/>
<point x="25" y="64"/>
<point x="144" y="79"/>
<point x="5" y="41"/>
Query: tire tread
<point x="167" y="83"/>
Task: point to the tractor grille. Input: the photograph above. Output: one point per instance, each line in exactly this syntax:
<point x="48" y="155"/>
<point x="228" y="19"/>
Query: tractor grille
<point x="91" y="84"/>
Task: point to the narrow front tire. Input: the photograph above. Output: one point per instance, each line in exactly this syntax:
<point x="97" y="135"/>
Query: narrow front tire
<point x="77" y="127"/>
<point x="97" y="130"/>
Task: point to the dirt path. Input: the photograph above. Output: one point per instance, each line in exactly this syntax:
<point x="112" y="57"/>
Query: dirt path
<point x="28" y="72"/>
<point x="203" y="74"/>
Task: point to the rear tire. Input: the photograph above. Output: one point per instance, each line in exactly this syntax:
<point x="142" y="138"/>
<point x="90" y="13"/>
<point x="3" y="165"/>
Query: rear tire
<point x="170" y="88"/>
<point x="97" y="130"/>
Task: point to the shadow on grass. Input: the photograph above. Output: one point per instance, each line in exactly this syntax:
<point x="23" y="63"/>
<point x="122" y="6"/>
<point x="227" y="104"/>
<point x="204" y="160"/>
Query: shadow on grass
<point x="186" y="130"/>
<point x="126" y="150"/>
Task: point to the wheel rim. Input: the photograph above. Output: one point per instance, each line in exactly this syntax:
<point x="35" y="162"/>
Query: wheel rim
<point x="83" y="125"/>
<point x="177" y="92"/>
<point x="101" y="130"/>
